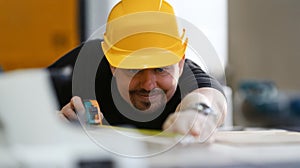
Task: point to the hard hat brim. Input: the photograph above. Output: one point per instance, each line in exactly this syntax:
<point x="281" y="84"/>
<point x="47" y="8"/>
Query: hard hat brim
<point x="144" y="58"/>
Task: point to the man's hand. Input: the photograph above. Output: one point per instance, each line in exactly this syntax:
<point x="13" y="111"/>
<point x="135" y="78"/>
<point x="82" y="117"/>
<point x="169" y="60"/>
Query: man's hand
<point x="68" y="111"/>
<point x="191" y="122"/>
<point x="186" y="120"/>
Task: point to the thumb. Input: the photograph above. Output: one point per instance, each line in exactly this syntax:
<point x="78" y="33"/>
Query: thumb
<point x="78" y="105"/>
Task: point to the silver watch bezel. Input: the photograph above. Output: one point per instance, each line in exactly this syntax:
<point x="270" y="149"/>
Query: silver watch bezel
<point x="204" y="109"/>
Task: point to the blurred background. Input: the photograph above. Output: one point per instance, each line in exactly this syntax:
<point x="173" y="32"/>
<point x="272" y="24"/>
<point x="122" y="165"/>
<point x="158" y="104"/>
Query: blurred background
<point x="258" y="42"/>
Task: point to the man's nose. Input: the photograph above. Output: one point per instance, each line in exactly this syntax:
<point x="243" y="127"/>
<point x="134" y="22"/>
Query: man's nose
<point x="148" y="79"/>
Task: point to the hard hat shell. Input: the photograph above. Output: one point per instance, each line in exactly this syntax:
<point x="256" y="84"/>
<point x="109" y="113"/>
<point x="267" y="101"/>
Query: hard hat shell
<point x="143" y="34"/>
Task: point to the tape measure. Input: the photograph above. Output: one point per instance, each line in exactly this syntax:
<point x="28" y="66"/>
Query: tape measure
<point x="93" y="114"/>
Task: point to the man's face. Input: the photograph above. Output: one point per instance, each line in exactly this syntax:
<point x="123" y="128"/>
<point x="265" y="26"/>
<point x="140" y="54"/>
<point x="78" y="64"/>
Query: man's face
<point x="148" y="89"/>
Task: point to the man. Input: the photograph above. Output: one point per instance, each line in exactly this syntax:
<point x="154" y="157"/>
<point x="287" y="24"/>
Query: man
<point x="144" y="79"/>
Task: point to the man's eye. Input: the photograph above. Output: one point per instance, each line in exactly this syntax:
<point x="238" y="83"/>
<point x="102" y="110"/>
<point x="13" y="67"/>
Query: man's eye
<point x="160" y="70"/>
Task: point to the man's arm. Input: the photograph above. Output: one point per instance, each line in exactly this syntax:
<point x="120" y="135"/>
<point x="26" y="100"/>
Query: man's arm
<point x="197" y="87"/>
<point x="61" y="74"/>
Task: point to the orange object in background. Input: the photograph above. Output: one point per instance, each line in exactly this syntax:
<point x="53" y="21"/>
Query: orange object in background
<point x="35" y="33"/>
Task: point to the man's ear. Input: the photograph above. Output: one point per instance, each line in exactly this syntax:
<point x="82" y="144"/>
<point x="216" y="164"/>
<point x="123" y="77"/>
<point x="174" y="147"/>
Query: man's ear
<point x="112" y="69"/>
<point x="181" y="65"/>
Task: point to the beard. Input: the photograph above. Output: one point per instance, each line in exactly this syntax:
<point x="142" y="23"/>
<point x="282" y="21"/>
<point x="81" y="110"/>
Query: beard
<point x="148" y="101"/>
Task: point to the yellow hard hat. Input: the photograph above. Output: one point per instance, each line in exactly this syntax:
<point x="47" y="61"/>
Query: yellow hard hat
<point x="143" y="34"/>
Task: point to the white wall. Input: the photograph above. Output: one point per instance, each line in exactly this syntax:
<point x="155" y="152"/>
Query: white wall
<point x="210" y="16"/>
<point x="96" y="14"/>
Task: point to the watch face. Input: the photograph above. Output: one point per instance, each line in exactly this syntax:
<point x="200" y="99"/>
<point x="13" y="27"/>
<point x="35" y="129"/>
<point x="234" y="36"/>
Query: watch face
<point x="203" y="108"/>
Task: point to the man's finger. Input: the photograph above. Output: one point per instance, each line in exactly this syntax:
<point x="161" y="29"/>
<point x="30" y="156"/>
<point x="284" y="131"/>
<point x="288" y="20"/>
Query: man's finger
<point x="78" y="105"/>
<point x="62" y="117"/>
<point x="68" y="112"/>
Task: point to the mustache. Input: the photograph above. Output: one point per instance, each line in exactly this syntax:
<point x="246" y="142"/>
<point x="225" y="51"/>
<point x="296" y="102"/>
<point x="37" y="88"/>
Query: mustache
<point x="146" y="92"/>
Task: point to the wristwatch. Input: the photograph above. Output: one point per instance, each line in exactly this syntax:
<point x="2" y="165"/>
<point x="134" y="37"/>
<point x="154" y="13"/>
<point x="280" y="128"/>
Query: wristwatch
<point x="210" y="121"/>
<point x="203" y="109"/>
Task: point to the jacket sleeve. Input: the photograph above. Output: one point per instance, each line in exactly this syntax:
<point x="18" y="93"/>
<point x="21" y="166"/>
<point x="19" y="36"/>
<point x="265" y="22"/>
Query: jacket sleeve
<point x="61" y="75"/>
<point x="193" y="77"/>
